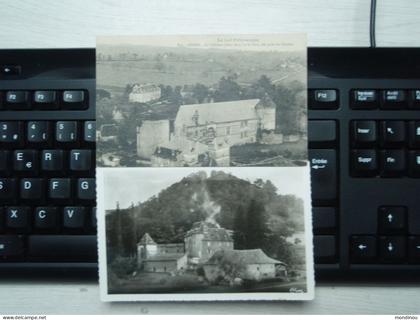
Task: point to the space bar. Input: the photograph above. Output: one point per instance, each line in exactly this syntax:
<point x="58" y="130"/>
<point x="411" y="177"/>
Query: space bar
<point x="62" y="248"/>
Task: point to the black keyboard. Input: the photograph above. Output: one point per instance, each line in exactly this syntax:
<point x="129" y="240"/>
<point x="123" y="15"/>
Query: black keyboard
<point x="364" y="140"/>
<point x="47" y="158"/>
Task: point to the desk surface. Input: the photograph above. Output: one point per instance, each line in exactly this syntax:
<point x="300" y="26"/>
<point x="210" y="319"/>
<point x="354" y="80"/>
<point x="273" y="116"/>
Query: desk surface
<point x="83" y="298"/>
<point x="74" y="23"/>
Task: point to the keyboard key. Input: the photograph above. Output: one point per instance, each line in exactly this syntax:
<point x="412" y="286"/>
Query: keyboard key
<point x="17" y="217"/>
<point x="414" y="133"/>
<point x="11" y="132"/>
<point x="7" y="189"/>
<point x="364" y="132"/>
<point x="93" y="219"/>
<point x="392" y="248"/>
<point x="74" y="99"/>
<point x="323" y="218"/>
<point x="364" y="163"/>
<point x="2" y="220"/>
<point x="31" y="188"/>
<point x="392" y="163"/>
<point x="80" y="160"/>
<point x="26" y="161"/>
<point x="323" y="174"/>
<point x="66" y="131"/>
<point x="363" y="99"/>
<point x="323" y="99"/>
<point x="414" y="163"/>
<point x="414" y="249"/>
<point x="52" y="160"/>
<point x="17" y="100"/>
<point x="393" y="133"/>
<point x="60" y="248"/>
<point x="89" y="131"/>
<point x="363" y="248"/>
<point x="11" y="245"/>
<point x="38" y="131"/>
<point x="415" y="99"/>
<point x="392" y="219"/>
<point x="46" y="218"/>
<point x="86" y="189"/>
<point x="393" y="99"/>
<point x="4" y="162"/>
<point x="45" y="100"/>
<point x="59" y="188"/>
<point x="413" y="222"/>
<point x="322" y="131"/>
<point x="74" y="217"/>
<point x="324" y="249"/>
<point x="10" y="70"/>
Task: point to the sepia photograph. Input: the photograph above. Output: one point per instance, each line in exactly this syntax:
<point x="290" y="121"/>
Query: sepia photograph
<point x="205" y="233"/>
<point x="201" y="101"/>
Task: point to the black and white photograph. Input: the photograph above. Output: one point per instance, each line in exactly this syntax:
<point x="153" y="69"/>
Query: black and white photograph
<point x="205" y="234"/>
<point x="201" y="101"/>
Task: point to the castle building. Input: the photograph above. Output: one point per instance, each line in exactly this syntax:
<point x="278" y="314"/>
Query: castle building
<point x="143" y="93"/>
<point x="208" y="245"/>
<point x="251" y="264"/>
<point x="235" y="121"/>
<point x="153" y="257"/>
<point x="208" y="129"/>
<point x="204" y="239"/>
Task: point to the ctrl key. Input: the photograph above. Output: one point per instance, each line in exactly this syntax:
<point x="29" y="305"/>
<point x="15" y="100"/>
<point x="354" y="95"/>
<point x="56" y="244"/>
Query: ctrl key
<point x="11" y="246"/>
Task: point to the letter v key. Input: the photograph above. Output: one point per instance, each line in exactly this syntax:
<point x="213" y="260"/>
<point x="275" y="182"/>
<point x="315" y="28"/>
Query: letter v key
<point x="74" y="217"/>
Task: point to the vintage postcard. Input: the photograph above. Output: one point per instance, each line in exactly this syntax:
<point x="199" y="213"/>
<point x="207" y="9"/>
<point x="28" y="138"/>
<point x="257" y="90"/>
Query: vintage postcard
<point x="185" y="231"/>
<point x="200" y="101"/>
<point x="205" y="234"/>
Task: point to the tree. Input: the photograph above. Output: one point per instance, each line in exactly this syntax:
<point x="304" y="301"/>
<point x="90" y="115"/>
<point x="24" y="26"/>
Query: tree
<point x="270" y="190"/>
<point x="228" y="90"/>
<point x="290" y="107"/>
<point x="127" y="129"/>
<point x="176" y="97"/>
<point x="257" y="231"/>
<point x="240" y="227"/>
<point x="127" y="90"/>
<point x="265" y="83"/>
<point x="200" y="92"/>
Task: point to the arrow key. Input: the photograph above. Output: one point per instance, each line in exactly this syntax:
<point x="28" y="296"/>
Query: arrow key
<point x="392" y="249"/>
<point x="392" y="220"/>
<point x="414" y="249"/>
<point x="362" y="248"/>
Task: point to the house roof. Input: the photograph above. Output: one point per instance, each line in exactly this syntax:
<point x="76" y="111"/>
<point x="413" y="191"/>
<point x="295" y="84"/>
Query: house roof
<point x="147" y="87"/>
<point x="165" y="257"/>
<point x="242" y="257"/>
<point x="147" y="239"/>
<point x="216" y="112"/>
<point x="210" y="231"/>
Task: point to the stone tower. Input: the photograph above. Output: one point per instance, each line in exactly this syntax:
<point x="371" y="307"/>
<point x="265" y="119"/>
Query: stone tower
<point x="147" y="247"/>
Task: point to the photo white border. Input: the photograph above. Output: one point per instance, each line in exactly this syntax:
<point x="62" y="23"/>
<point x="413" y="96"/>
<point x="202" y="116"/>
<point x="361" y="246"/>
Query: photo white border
<point x="251" y="296"/>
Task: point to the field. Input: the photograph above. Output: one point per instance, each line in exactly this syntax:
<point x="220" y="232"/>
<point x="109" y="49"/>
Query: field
<point x="201" y="67"/>
<point x="152" y="282"/>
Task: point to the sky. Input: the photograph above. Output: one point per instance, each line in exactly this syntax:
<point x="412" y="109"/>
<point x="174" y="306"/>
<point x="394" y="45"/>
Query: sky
<point x="127" y="185"/>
